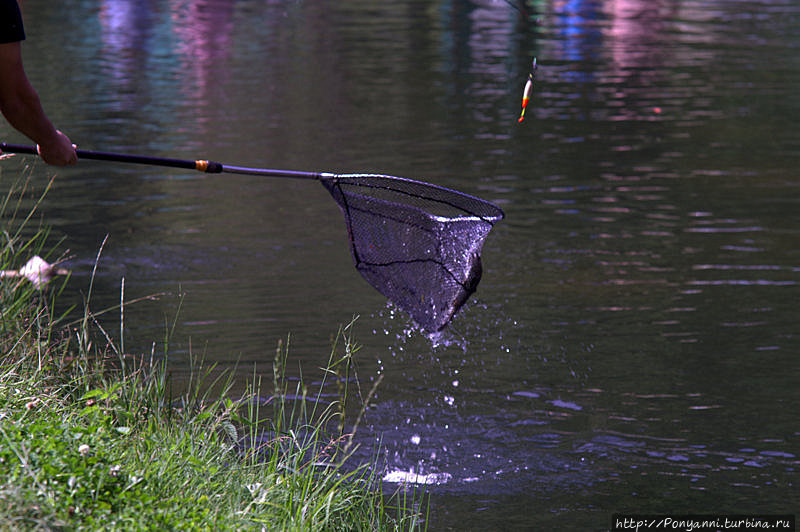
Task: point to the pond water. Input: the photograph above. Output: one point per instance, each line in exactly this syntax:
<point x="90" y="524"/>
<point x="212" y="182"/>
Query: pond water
<point x="633" y="345"/>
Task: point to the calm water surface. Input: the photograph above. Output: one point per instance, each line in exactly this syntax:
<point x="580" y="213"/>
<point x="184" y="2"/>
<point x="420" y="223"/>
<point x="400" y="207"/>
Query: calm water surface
<point x="633" y="345"/>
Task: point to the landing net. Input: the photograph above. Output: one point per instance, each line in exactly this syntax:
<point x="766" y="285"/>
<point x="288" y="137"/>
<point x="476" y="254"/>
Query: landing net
<point x="418" y="244"/>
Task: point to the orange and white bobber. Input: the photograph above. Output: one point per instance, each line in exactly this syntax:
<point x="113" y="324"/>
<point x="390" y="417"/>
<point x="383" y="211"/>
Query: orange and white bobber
<point x="526" y="93"/>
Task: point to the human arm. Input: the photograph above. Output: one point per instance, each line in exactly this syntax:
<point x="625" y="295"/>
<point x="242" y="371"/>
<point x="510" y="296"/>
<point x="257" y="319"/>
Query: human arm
<point x="21" y="106"/>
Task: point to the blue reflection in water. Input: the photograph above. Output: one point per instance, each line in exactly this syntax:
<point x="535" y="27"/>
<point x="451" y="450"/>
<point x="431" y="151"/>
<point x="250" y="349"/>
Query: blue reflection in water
<point x="577" y="23"/>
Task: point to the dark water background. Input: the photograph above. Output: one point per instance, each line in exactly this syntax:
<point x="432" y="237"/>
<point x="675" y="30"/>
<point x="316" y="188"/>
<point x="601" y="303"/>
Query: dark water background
<point x="633" y="345"/>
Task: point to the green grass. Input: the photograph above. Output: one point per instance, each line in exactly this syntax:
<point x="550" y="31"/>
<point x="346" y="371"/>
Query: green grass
<point x="94" y="439"/>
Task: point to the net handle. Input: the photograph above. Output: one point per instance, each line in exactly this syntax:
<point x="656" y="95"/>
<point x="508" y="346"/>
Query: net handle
<point x="213" y="167"/>
<point x="200" y="165"/>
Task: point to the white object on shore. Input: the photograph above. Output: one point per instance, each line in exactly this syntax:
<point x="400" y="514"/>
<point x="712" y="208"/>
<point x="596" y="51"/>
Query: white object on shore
<point x="37" y="270"/>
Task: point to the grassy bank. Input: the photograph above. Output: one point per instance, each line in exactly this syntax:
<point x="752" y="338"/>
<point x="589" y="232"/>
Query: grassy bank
<point x="91" y="438"/>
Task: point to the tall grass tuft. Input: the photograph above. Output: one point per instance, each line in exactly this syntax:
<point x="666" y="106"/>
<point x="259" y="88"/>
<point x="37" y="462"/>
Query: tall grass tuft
<point x="93" y="438"/>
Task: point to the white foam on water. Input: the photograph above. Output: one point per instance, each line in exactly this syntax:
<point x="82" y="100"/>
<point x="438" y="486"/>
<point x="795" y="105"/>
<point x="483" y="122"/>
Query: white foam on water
<point x="409" y="477"/>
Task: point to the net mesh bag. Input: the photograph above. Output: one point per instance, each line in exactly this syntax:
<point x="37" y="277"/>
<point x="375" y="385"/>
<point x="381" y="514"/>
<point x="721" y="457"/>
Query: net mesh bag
<point x="418" y="244"/>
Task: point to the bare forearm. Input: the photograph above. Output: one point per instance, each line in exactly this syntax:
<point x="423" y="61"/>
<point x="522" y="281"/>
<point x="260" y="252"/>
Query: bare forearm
<point x="20" y="105"/>
<point x="24" y="112"/>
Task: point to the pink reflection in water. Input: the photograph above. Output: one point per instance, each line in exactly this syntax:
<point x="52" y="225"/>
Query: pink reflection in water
<point x="205" y="39"/>
<point x="188" y="42"/>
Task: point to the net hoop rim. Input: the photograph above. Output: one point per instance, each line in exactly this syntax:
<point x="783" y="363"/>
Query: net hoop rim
<point x="491" y="218"/>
